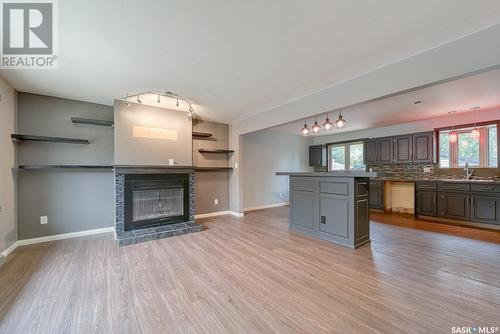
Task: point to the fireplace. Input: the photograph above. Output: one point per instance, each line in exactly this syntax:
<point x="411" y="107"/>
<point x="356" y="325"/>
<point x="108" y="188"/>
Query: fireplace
<point x="153" y="203"/>
<point x="154" y="200"/>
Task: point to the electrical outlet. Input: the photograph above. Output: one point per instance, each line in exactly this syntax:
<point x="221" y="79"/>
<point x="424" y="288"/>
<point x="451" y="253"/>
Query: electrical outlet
<point x="427" y="169"/>
<point x="216" y="201"/>
<point x="44" y="220"/>
<point x="235" y="165"/>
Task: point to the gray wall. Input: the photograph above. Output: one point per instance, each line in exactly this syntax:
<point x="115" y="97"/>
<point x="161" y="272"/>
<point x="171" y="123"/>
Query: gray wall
<point x="149" y="151"/>
<point x="264" y="153"/>
<point x="210" y="185"/>
<point x="8" y="233"/>
<point x="72" y="200"/>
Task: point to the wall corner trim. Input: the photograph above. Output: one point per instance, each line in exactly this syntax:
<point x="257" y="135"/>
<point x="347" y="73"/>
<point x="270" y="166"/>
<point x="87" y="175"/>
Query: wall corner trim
<point x="25" y="242"/>
<point x="261" y="207"/>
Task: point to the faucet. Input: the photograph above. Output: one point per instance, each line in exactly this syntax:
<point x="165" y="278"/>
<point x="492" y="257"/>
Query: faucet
<point x="468" y="171"/>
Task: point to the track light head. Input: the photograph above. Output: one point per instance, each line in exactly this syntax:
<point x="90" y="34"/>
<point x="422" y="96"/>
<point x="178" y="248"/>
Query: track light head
<point x="139" y="99"/>
<point x="158" y="99"/>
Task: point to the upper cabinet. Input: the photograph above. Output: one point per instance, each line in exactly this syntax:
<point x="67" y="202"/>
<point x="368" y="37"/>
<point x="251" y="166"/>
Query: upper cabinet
<point x="423" y="147"/>
<point x="418" y="147"/>
<point x="385" y="150"/>
<point x="371" y="151"/>
<point x="317" y="156"/>
<point x="403" y="147"/>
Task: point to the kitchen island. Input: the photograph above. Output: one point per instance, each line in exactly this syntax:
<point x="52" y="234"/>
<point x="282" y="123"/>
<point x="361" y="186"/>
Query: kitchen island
<point x="333" y="206"/>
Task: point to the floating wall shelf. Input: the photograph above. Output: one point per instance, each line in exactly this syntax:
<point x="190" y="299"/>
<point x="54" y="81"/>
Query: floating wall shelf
<point x="212" y="169"/>
<point x="91" y="121"/>
<point x="44" y="167"/>
<point x="202" y="134"/>
<point x="19" y="138"/>
<point x="206" y="150"/>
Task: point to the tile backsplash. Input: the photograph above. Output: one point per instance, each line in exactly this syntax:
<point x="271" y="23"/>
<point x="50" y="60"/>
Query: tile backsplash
<point x="405" y="171"/>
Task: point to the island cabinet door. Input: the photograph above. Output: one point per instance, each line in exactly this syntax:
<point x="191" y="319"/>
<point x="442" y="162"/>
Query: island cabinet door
<point x="485" y="209"/>
<point x="334" y="215"/>
<point x="304" y="209"/>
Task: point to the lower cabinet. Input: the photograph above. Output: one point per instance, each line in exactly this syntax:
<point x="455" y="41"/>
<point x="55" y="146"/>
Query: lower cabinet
<point x="454" y="205"/>
<point x="485" y="209"/>
<point x="304" y="209"/>
<point x="426" y="203"/>
<point x="334" y="210"/>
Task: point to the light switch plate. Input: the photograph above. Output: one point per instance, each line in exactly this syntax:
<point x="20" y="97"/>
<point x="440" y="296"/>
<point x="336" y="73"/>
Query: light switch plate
<point x="427" y="169"/>
<point x="44" y="220"/>
<point x="216" y="201"/>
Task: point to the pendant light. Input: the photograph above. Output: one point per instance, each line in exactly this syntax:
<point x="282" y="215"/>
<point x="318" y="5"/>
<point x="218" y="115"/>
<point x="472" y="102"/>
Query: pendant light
<point x="315" y="128"/>
<point x="305" y="130"/>
<point x="475" y="134"/>
<point x="453" y="137"/>
<point x="327" y="125"/>
<point x="340" y="122"/>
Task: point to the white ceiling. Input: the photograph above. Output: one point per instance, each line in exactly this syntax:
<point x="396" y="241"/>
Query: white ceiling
<point x="239" y="58"/>
<point x="480" y="90"/>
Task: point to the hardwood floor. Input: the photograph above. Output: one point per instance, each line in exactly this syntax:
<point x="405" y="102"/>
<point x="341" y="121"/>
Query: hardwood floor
<point x="253" y="276"/>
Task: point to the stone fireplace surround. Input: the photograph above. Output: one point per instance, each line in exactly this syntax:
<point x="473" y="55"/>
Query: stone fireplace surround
<point x="123" y="237"/>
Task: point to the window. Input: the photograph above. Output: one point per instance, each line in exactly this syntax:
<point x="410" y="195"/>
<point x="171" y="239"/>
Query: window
<point x="478" y="152"/>
<point x="346" y="156"/>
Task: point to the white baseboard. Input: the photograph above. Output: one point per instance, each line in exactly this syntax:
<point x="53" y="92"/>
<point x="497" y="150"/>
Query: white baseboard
<point x="25" y="242"/>
<point x="260" y="207"/>
<point x="218" y="213"/>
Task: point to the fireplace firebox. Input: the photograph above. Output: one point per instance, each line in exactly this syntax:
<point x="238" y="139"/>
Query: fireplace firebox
<point x="154" y="200"/>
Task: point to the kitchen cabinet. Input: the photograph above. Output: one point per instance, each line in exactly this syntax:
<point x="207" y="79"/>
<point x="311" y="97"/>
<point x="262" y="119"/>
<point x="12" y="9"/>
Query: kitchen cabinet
<point x="486" y="209"/>
<point x="416" y="147"/>
<point x="403" y="146"/>
<point x="333" y="208"/>
<point x="370" y="151"/>
<point x="423" y="147"/>
<point x="376" y="194"/>
<point x="426" y="203"/>
<point x="317" y="156"/>
<point x="385" y="148"/>
<point x="454" y="205"/>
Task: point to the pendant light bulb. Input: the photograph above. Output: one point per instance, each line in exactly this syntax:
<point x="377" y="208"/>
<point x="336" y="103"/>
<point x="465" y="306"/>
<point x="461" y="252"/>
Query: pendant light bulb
<point x="327" y="125"/>
<point x="316" y="128"/>
<point x="453" y="137"/>
<point x="475" y="134"/>
<point x="340" y="122"/>
<point x="305" y="130"/>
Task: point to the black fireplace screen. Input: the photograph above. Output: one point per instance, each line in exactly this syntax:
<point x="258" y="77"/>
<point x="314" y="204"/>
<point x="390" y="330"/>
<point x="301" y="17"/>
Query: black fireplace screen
<point x="156" y="204"/>
<point x="153" y="200"/>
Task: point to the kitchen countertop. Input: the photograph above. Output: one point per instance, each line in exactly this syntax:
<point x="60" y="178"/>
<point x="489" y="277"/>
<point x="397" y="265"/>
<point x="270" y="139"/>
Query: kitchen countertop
<point x="330" y="174"/>
<point x="395" y="179"/>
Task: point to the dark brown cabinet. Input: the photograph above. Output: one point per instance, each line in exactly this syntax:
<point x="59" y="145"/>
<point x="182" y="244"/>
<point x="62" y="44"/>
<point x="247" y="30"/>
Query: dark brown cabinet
<point x="385" y="152"/>
<point x="454" y="205"/>
<point x="426" y="203"/>
<point x="371" y="151"/>
<point x="417" y="147"/>
<point x="403" y="146"/>
<point x="377" y="194"/>
<point x="317" y="156"/>
<point x="485" y="209"/>
<point x="423" y="147"/>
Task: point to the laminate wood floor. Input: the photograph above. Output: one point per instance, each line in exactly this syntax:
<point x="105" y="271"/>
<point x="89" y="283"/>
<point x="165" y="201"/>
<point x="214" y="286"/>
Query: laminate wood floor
<point x="252" y="275"/>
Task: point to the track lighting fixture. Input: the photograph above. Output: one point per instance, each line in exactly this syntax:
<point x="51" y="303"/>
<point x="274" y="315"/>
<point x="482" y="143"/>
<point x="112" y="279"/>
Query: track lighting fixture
<point x="340" y="122"/>
<point x="177" y="104"/>
<point x="327" y="125"/>
<point x="125" y="101"/>
<point x="305" y="130"/>
<point x="139" y="99"/>
<point x="158" y="99"/>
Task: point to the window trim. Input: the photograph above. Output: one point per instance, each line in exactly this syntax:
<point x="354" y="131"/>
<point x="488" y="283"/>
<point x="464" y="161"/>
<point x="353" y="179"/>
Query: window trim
<point x="347" y="153"/>
<point x="480" y="171"/>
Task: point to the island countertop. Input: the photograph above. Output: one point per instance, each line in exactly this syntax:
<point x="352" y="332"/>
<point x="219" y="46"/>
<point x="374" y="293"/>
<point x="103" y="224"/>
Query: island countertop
<point x="330" y="174"/>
